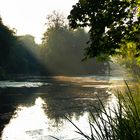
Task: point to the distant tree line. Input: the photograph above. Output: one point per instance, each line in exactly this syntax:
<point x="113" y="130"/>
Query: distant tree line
<point x="62" y="49"/>
<point x="60" y="53"/>
<point x="16" y="53"/>
<point x="113" y="31"/>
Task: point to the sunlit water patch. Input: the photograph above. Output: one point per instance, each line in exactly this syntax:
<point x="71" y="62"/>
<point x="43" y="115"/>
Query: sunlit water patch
<point x="31" y="123"/>
<point x="5" y="84"/>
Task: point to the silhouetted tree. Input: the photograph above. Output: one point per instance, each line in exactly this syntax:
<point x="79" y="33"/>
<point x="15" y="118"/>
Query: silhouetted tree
<point x="18" y="54"/>
<point x="111" y="23"/>
<point x="7" y="40"/>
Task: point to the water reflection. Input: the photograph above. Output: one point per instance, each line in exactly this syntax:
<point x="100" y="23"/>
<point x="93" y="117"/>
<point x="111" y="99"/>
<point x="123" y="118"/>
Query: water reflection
<point x="27" y="122"/>
<point x="32" y="123"/>
<point x="37" y="113"/>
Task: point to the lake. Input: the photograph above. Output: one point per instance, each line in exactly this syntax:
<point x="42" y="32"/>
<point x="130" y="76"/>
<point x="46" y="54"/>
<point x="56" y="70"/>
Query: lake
<point x="37" y="108"/>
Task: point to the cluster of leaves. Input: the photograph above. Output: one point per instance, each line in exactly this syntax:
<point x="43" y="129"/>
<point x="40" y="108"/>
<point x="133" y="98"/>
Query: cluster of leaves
<point x="129" y="58"/>
<point x="111" y="23"/>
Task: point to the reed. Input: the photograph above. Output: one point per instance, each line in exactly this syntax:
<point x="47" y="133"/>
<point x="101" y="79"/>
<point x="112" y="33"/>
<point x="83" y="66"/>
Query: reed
<point x="120" y="123"/>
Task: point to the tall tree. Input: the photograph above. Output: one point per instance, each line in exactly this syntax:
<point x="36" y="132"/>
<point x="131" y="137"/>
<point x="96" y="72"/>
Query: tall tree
<point x="111" y="23"/>
<point x="62" y="48"/>
<point x="55" y="20"/>
<point x="7" y="39"/>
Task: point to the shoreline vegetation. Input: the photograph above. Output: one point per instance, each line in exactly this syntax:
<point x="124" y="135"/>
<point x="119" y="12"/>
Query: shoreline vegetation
<point x="119" y="122"/>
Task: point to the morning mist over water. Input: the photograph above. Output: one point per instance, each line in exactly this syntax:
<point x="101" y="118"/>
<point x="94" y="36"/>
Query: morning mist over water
<point x="51" y="89"/>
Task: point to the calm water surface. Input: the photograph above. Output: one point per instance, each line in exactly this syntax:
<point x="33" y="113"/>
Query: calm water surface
<point x="37" y="109"/>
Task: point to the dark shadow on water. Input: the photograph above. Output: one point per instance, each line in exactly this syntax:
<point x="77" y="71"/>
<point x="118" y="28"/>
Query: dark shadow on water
<point x="73" y="101"/>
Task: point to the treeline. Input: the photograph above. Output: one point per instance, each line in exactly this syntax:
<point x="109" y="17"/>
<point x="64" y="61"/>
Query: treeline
<point x="16" y="53"/>
<point x="62" y="49"/>
<point x="60" y="53"/>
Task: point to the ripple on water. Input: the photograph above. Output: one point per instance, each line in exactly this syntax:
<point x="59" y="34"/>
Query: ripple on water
<point x="6" y="84"/>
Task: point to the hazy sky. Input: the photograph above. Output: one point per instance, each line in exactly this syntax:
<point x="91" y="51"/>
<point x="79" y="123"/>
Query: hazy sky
<point x="29" y="16"/>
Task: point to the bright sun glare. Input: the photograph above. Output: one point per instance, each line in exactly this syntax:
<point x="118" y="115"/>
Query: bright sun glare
<point x="29" y="16"/>
<point x="25" y="121"/>
<point x="30" y="123"/>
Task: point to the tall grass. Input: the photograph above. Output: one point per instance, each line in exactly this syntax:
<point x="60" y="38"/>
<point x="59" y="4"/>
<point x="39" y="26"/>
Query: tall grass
<point x="120" y="123"/>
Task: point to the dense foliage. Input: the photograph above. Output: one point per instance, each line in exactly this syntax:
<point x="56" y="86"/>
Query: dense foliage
<point x="16" y="53"/>
<point x="112" y="23"/>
